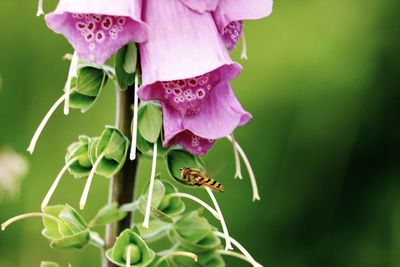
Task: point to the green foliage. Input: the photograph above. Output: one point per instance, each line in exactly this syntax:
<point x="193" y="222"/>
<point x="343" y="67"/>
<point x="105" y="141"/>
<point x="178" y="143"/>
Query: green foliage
<point x="130" y="239"/>
<point x="124" y="69"/>
<point x="114" y="146"/>
<point x="69" y="231"/>
<point x="194" y="233"/>
<point x="208" y="259"/>
<point x="150" y="122"/>
<point x="80" y="149"/>
<point x="87" y="87"/>
<point x="178" y="159"/>
<point x="163" y="206"/>
<point x="49" y="264"/>
<point x="106" y="215"/>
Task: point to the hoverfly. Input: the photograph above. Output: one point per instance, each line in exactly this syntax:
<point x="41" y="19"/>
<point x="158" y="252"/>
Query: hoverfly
<point x="196" y="177"/>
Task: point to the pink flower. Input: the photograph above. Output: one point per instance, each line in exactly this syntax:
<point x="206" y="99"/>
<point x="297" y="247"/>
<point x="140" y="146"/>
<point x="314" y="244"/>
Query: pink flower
<point x="230" y="14"/>
<point x="97" y="29"/>
<point x="201" y="5"/>
<point x="186" y="67"/>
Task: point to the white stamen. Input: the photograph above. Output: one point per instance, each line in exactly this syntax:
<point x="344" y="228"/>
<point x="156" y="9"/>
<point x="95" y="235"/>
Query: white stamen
<point x="235" y="255"/>
<point x="40" y="8"/>
<point x="128" y="257"/>
<point x="56" y="182"/>
<point x="176" y="253"/>
<point x="28" y="215"/>
<point x="199" y="201"/>
<point x="151" y="187"/>
<point x="46" y="118"/>
<point x="238" y="173"/>
<point x="73" y="71"/>
<point x="228" y="245"/>
<point x="85" y="193"/>
<point x="135" y="119"/>
<point x="241" y="248"/>
<point x="244" y="47"/>
<point x="246" y="161"/>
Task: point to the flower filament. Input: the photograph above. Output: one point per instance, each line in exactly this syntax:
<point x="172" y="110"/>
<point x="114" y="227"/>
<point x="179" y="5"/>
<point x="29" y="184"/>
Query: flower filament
<point x="151" y="187"/>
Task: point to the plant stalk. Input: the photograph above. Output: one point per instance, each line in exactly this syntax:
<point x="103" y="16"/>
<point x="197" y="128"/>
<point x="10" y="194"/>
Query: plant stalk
<point x="122" y="184"/>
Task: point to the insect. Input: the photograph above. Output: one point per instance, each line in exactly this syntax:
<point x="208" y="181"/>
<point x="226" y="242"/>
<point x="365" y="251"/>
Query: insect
<point x="196" y="177"/>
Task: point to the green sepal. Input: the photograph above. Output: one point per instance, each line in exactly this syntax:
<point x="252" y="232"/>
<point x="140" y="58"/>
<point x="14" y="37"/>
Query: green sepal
<point x="208" y="259"/>
<point x="130" y="60"/>
<point x="87" y="87"/>
<point x="108" y="214"/>
<point x="49" y="264"/>
<point x="117" y="253"/>
<point x="194" y="232"/>
<point x="164" y="263"/>
<point x="70" y="231"/>
<point x="163" y="206"/>
<point x="80" y="149"/>
<point x="150" y="121"/>
<point x="178" y="159"/>
<point x="124" y="78"/>
<point x="146" y="148"/>
<point x="157" y="230"/>
<point x="114" y="145"/>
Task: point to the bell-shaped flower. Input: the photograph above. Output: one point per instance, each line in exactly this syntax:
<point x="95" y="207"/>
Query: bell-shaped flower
<point x="230" y="14"/>
<point x="97" y="29"/>
<point x="201" y="5"/>
<point x="186" y="67"/>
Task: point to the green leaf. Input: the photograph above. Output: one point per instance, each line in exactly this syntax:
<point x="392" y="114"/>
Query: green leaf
<point x="150" y="122"/>
<point x="87" y="87"/>
<point x="124" y="78"/>
<point x="178" y="159"/>
<point x="130" y="60"/>
<point x="108" y="214"/>
<point x="48" y="264"/>
<point x="118" y="253"/>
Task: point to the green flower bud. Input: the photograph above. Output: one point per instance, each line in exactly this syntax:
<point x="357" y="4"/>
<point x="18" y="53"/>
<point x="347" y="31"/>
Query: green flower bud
<point x="164" y="205"/>
<point x="87" y="87"/>
<point x="194" y="233"/>
<point x="79" y="151"/>
<point x="70" y="231"/>
<point x="113" y="147"/>
<point x="140" y="254"/>
<point x="178" y="159"/>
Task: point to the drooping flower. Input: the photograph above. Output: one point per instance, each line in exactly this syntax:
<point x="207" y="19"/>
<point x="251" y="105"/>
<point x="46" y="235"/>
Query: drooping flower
<point x="187" y="68"/>
<point x="97" y="29"/>
<point x="230" y="14"/>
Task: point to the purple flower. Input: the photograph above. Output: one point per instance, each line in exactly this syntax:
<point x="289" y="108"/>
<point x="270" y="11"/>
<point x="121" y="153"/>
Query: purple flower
<point x="186" y="67"/>
<point x="97" y="29"/>
<point x="201" y="5"/>
<point x="230" y="14"/>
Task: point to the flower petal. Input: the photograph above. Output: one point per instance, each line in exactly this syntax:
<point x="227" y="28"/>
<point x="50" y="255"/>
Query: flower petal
<point x="218" y="116"/>
<point x="182" y="44"/>
<point x="97" y="29"/>
<point x="201" y="5"/>
<point x="229" y="16"/>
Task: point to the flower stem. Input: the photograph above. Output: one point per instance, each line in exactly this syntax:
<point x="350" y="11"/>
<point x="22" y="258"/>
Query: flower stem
<point x="89" y="181"/>
<point x="241" y="248"/>
<point x="238" y="173"/>
<point x="199" y="201"/>
<point x="46" y="118"/>
<point x="176" y="253"/>
<point x="56" y="182"/>
<point x="40" y="8"/>
<point x="246" y="161"/>
<point x="122" y="185"/>
<point x="28" y="215"/>
<point x="135" y="118"/>
<point x="228" y="245"/>
<point x="151" y="187"/>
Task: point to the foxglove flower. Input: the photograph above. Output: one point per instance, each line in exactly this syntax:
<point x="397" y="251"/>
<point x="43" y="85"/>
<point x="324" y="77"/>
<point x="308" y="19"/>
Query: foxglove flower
<point x="187" y="68"/>
<point x="97" y="29"/>
<point x="201" y="5"/>
<point x="230" y="14"/>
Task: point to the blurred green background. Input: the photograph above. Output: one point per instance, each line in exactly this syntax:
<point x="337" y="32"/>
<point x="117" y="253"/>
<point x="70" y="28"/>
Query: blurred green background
<point x="322" y="82"/>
